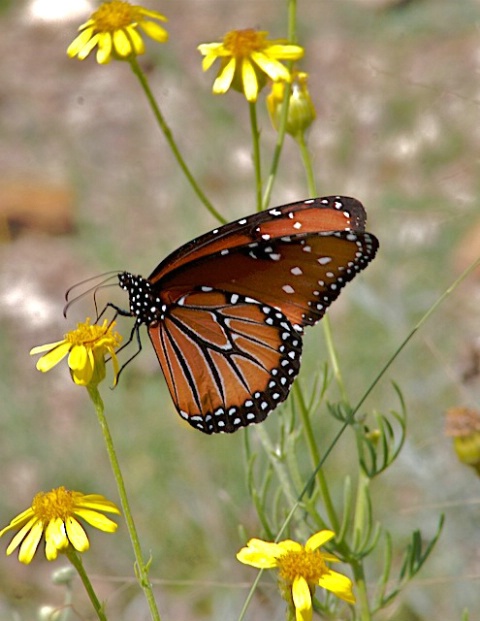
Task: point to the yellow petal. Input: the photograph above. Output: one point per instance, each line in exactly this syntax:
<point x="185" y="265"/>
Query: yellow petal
<point x="319" y="539"/>
<point x="138" y="47"/>
<point x="153" y="14"/>
<point x="99" y="503"/>
<point x="18" y="520"/>
<point x="116" y="367"/>
<point x="79" y="42"/>
<point x="51" y="551"/>
<point x="30" y="543"/>
<point x="260" y="554"/>
<point x="285" y="52"/>
<point x="338" y="584"/>
<point x="78" y="357"/>
<point x="302" y="599"/>
<point x="249" y="80"/>
<point x="89" y="22"/>
<point x="97" y="520"/>
<point x="55" y="534"/>
<point x="210" y="48"/>
<point x="88" y="47"/>
<point x="208" y="61"/>
<point x="53" y="357"/>
<point x="225" y="77"/>
<point x="122" y="43"/>
<point x="275" y="70"/>
<point x="288" y="545"/>
<point x="104" y="52"/>
<point x="76" y="535"/>
<point x="330" y="558"/>
<point x="154" y="31"/>
<point x="20" y="535"/>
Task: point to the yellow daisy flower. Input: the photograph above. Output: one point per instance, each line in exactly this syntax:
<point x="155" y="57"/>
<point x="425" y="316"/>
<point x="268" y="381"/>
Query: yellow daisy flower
<point x="301" y="569"/>
<point x="52" y="514"/>
<point x="247" y="59"/>
<point x="301" y="111"/>
<point x="114" y="28"/>
<point x="86" y="347"/>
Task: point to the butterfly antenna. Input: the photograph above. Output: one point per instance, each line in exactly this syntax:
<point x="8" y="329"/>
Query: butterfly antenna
<point x="88" y="291"/>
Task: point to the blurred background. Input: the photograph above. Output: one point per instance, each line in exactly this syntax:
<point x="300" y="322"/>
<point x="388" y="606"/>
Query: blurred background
<point x="87" y="184"/>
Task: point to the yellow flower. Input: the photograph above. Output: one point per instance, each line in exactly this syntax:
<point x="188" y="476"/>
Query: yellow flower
<point x="301" y="569"/>
<point x="86" y="347"/>
<point x="114" y="28"/>
<point x="53" y="514"/>
<point x="247" y="59"/>
<point x="301" y="111"/>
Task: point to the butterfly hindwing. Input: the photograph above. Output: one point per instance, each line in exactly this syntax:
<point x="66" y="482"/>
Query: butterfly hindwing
<point x="228" y="360"/>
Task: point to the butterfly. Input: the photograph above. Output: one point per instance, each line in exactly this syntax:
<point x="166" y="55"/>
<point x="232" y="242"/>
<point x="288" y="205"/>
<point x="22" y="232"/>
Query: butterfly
<point x="226" y="312"/>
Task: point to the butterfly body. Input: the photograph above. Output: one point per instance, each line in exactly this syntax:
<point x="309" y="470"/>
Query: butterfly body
<point x="225" y="312"/>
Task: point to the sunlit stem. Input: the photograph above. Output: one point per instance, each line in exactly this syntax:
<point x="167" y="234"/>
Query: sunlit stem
<point x="142" y="567"/>
<point x="76" y="561"/>
<point x="170" y="139"/>
<point x="257" y="164"/>
<point x="278" y="147"/>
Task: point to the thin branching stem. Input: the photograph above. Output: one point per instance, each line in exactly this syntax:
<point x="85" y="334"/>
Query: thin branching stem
<point x="167" y="132"/>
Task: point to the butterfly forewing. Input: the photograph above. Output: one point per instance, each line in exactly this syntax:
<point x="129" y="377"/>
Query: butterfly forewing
<point x="302" y="275"/>
<point x="331" y="213"/>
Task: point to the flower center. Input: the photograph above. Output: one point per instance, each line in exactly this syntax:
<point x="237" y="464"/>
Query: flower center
<point x="242" y="43"/>
<point x="59" y="503"/>
<point x="85" y="334"/>
<point x="115" y="15"/>
<point x="306" y="563"/>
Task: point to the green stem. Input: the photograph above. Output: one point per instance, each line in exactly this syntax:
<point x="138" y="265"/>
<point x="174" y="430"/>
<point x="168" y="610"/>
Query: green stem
<point x="307" y="163"/>
<point x="257" y="164"/>
<point x="277" y="465"/>
<point x="315" y="457"/>
<point x="76" y="561"/>
<point x="292" y="21"/>
<point x="361" y="586"/>
<point x="170" y="139"/>
<point x="327" y="328"/>
<point x="332" y="353"/>
<point x="142" y="567"/>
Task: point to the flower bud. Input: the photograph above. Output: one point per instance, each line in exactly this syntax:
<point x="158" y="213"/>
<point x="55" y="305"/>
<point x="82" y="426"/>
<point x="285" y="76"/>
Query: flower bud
<point x="301" y="111"/>
<point x="463" y="424"/>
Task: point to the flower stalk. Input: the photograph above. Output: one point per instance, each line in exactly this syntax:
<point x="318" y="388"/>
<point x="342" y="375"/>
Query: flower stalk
<point x="76" y="561"/>
<point x="142" y="567"/>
